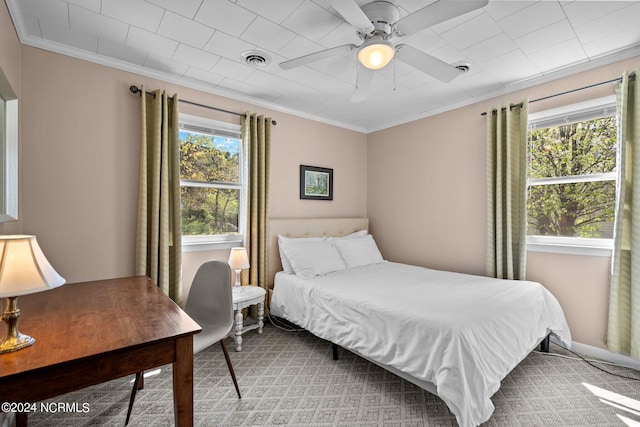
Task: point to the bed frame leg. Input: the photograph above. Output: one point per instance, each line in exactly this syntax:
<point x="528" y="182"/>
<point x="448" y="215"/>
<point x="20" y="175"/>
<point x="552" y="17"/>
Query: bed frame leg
<point x="544" y="344"/>
<point x="334" y="347"/>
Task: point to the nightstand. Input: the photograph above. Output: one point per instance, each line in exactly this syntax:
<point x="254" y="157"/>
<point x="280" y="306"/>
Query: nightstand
<point x="243" y="297"/>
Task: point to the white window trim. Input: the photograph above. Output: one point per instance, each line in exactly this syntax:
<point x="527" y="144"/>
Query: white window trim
<point x="218" y="242"/>
<point x="572" y="179"/>
<point x="196" y="244"/>
<point x="605" y="102"/>
<point x="572" y="245"/>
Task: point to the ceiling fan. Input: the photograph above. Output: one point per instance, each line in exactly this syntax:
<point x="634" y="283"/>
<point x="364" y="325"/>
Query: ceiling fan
<point x="379" y="21"/>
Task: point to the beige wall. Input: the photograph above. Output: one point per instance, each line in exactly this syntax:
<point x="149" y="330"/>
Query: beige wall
<point x="80" y="162"/>
<point x="426" y="200"/>
<point x="9" y="49"/>
<point x="11" y="66"/>
<point x="422" y="206"/>
<point x="422" y="184"/>
<point x="79" y="159"/>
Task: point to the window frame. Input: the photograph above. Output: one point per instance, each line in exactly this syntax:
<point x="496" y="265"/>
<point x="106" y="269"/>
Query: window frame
<point x="218" y="241"/>
<point x="571" y="245"/>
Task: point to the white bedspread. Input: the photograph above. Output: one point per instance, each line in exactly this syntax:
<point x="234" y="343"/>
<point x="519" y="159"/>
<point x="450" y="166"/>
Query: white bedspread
<point x="463" y="333"/>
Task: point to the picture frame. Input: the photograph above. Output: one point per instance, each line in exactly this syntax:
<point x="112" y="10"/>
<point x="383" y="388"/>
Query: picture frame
<point x="316" y="183"/>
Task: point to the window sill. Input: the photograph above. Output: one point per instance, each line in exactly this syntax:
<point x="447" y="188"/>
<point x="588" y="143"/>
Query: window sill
<point x="209" y="246"/>
<point x="584" y="250"/>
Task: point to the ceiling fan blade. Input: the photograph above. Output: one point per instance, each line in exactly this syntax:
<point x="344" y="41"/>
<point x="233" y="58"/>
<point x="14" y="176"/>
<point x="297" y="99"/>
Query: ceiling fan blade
<point x="363" y="84"/>
<point x="435" y="13"/>
<point x="426" y="63"/>
<point x="316" y="56"/>
<point x="351" y="12"/>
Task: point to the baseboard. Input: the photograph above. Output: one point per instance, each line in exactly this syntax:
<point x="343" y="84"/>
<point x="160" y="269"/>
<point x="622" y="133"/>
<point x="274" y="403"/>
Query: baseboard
<point x="602" y="354"/>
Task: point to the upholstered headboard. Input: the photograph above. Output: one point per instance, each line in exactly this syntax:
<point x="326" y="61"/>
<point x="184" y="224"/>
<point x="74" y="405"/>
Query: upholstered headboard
<point x="307" y="227"/>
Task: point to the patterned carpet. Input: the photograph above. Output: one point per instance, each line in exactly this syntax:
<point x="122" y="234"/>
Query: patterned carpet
<point x="290" y="378"/>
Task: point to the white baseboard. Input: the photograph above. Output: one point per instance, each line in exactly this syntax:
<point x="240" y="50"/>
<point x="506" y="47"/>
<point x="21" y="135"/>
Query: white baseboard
<point x="602" y="354"/>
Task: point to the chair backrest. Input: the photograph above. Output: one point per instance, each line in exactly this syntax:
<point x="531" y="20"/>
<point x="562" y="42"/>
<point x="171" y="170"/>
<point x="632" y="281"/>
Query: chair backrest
<point x="210" y="300"/>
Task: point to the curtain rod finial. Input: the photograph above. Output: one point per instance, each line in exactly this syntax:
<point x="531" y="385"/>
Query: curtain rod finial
<point x="134" y="89"/>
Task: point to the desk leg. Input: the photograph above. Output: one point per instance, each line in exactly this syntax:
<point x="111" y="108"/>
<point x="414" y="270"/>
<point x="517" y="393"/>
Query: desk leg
<point x="22" y="418"/>
<point x="183" y="382"/>
<point x="238" y="335"/>
<point x="260" y="316"/>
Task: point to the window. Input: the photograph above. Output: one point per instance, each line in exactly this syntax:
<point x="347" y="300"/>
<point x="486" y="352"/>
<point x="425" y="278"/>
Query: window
<point x="572" y="177"/>
<point x="212" y="183"/>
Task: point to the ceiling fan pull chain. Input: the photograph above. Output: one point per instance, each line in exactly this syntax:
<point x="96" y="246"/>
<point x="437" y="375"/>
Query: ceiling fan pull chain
<point x="394" y="73"/>
<point x="376" y="23"/>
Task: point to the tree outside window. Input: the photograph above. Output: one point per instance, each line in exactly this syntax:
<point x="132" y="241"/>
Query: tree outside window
<point x="211" y="183"/>
<point x="572" y="179"/>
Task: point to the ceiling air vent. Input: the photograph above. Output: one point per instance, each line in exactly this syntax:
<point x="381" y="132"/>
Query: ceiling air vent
<point x="463" y="67"/>
<point x="255" y="58"/>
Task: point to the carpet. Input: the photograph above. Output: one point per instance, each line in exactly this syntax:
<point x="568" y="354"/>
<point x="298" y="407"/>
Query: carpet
<point x="290" y="378"/>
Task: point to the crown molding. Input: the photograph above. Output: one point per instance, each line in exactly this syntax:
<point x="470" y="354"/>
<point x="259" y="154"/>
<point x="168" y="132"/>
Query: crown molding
<point x="48" y="45"/>
<point x="178" y="80"/>
<point x="586" y="65"/>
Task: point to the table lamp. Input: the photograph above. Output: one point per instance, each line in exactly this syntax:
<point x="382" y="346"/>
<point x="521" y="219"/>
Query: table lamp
<point x="238" y="260"/>
<point x="23" y="270"/>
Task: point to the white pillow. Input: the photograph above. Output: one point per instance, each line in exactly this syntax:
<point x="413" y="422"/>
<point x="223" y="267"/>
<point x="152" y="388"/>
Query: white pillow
<point x="359" y="233"/>
<point x="310" y="258"/>
<point x="282" y="243"/>
<point x="358" y="251"/>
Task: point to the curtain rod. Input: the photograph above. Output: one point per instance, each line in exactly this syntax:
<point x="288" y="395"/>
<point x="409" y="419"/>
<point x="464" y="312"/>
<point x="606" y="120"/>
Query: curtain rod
<point x="632" y="76"/>
<point x="134" y="89"/>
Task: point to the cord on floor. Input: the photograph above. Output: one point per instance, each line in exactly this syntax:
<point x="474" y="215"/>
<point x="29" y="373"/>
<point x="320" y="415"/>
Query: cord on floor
<point x="285" y="326"/>
<point x="589" y="362"/>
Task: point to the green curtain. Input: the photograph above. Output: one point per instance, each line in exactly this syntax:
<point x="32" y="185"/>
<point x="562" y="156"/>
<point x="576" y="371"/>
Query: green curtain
<point x="623" y="333"/>
<point x="159" y="235"/>
<point x="256" y="132"/>
<point x="506" y="192"/>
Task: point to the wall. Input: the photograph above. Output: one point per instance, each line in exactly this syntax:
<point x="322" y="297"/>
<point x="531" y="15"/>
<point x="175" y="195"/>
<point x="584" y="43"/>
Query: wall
<point x="80" y="154"/>
<point x="11" y="65"/>
<point x="9" y="49"/>
<point x="426" y="201"/>
<point x="424" y="181"/>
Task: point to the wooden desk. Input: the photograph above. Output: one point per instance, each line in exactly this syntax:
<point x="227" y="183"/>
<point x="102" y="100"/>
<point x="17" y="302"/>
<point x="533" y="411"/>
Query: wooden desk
<point x="89" y="333"/>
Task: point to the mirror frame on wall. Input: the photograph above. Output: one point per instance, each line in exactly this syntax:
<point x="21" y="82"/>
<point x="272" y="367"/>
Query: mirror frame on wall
<point x="8" y="151"/>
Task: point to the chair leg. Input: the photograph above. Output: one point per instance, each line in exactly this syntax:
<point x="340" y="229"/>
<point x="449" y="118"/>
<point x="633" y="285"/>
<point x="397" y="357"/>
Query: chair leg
<point x="139" y="381"/>
<point x="233" y="374"/>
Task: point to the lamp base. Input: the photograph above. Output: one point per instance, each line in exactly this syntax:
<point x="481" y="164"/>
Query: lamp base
<point x="16" y="343"/>
<point x="237" y="283"/>
<point x="14" y="340"/>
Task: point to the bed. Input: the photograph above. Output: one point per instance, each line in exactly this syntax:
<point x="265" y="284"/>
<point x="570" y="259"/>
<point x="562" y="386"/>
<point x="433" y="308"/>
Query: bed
<point x="454" y="335"/>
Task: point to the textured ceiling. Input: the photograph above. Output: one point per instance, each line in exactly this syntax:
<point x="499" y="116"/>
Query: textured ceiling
<point x="199" y="43"/>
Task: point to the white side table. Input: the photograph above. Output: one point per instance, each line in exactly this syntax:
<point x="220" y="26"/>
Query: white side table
<point x="243" y="297"/>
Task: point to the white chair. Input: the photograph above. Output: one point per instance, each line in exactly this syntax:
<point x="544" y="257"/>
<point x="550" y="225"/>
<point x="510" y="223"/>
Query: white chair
<point x="210" y="304"/>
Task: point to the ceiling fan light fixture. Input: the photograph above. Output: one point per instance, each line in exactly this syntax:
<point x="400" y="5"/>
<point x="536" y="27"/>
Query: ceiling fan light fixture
<point x="376" y="53"/>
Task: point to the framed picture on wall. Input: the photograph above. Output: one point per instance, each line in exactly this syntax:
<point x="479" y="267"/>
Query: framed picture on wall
<point x="316" y="183"/>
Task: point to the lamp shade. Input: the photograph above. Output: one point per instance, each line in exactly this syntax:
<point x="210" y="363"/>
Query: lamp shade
<point x="24" y="268"/>
<point x="238" y="259"/>
<point x="376" y="53"/>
